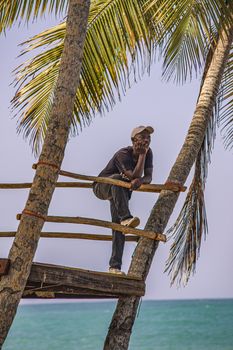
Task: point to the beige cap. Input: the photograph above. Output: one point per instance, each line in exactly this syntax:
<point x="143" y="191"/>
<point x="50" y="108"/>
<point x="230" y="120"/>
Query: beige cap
<point x="141" y="128"/>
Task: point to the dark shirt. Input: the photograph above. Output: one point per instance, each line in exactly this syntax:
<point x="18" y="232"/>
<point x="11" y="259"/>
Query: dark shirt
<point x="123" y="160"/>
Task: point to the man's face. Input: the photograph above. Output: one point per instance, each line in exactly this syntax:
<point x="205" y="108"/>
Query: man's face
<point x="141" y="142"/>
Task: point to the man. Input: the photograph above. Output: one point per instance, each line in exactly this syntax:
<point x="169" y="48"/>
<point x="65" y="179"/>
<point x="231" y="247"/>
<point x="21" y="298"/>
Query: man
<point x="135" y="165"/>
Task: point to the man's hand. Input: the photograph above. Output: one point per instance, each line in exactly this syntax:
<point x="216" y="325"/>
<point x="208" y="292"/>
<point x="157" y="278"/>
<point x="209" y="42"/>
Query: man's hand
<point x="136" y="183"/>
<point x="141" y="147"/>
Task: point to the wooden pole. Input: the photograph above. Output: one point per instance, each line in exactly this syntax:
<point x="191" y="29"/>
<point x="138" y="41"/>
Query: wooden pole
<point x="152" y="188"/>
<point x="8" y="186"/>
<point x="102" y="223"/>
<point x="107" y="180"/>
<point x="71" y="235"/>
<point x="143" y="188"/>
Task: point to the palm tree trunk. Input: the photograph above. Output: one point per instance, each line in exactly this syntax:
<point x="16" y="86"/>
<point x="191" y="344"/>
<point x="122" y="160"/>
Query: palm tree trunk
<point x="27" y="236"/>
<point x="123" y="319"/>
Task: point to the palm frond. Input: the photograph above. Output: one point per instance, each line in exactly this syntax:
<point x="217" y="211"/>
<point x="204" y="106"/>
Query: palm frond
<point x="188" y="231"/>
<point x="12" y="11"/>
<point x="225" y="117"/>
<point x="191" y="225"/>
<point x="190" y="26"/>
<point x="118" y="42"/>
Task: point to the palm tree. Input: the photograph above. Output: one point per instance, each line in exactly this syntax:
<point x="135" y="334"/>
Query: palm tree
<point x="189" y="226"/>
<point x="183" y="37"/>
<point x="188" y="29"/>
<point x="25" y="243"/>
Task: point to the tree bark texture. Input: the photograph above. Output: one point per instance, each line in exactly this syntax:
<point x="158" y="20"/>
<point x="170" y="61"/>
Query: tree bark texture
<point x="123" y="319"/>
<point x="27" y="236"/>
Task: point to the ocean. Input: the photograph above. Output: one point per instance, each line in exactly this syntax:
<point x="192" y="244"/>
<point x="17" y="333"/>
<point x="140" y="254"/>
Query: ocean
<point x="160" y="325"/>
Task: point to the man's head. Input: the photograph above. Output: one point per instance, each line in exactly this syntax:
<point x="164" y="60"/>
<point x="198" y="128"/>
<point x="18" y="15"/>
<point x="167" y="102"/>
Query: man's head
<point x="140" y="137"/>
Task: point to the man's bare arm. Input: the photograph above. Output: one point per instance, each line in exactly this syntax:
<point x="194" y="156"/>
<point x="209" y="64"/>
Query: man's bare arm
<point x="147" y="178"/>
<point x="139" y="168"/>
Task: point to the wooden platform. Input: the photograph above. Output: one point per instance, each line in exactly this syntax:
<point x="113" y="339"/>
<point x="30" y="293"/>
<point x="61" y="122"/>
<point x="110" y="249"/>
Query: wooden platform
<point x="53" y="281"/>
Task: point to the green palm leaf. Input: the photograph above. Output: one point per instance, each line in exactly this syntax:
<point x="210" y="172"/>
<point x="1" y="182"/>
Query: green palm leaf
<point x="12" y="11"/>
<point x="118" y="42"/>
<point x="190" y="26"/>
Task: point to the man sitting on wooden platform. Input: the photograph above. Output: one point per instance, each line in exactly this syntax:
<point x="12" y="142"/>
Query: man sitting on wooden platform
<point x="133" y="164"/>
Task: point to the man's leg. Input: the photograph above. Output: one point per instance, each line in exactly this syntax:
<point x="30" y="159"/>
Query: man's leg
<point x="102" y="191"/>
<point x="119" y="205"/>
<point x="118" y="241"/>
<point x="120" y="197"/>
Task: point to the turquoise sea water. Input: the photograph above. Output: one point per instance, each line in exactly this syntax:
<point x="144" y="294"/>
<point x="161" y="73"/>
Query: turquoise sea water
<point x="160" y="325"/>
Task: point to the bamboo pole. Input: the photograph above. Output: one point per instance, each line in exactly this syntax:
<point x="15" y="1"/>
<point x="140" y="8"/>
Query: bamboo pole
<point x="71" y="235"/>
<point x="108" y="180"/>
<point x="102" y="223"/>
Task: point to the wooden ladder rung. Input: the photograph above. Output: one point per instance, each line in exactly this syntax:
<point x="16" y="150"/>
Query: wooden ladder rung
<point x="171" y="186"/>
<point x="102" y="223"/>
<point x="15" y="186"/>
<point x="73" y="235"/>
<point x="150" y="188"/>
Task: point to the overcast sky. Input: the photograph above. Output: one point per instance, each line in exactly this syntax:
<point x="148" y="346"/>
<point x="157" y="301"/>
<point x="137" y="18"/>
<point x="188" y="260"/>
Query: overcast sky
<point x="168" y="109"/>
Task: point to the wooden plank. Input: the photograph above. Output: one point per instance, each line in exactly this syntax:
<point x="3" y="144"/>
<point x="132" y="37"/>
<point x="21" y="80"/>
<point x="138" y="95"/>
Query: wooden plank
<point x="64" y="295"/>
<point x="59" y="278"/>
<point x="102" y="223"/>
<point x="73" y="235"/>
<point x="48" y="292"/>
<point x="4" y="266"/>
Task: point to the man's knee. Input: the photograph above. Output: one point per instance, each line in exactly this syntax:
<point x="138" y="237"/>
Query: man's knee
<point x="102" y="191"/>
<point x="116" y="176"/>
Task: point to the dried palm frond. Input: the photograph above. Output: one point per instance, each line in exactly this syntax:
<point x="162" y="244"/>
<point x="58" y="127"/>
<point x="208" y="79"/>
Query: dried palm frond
<point x="191" y="225"/>
<point x="188" y="231"/>
<point x="225" y="117"/>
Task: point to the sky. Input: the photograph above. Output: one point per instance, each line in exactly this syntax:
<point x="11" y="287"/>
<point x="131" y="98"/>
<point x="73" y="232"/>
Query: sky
<point x="166" y="107"/>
